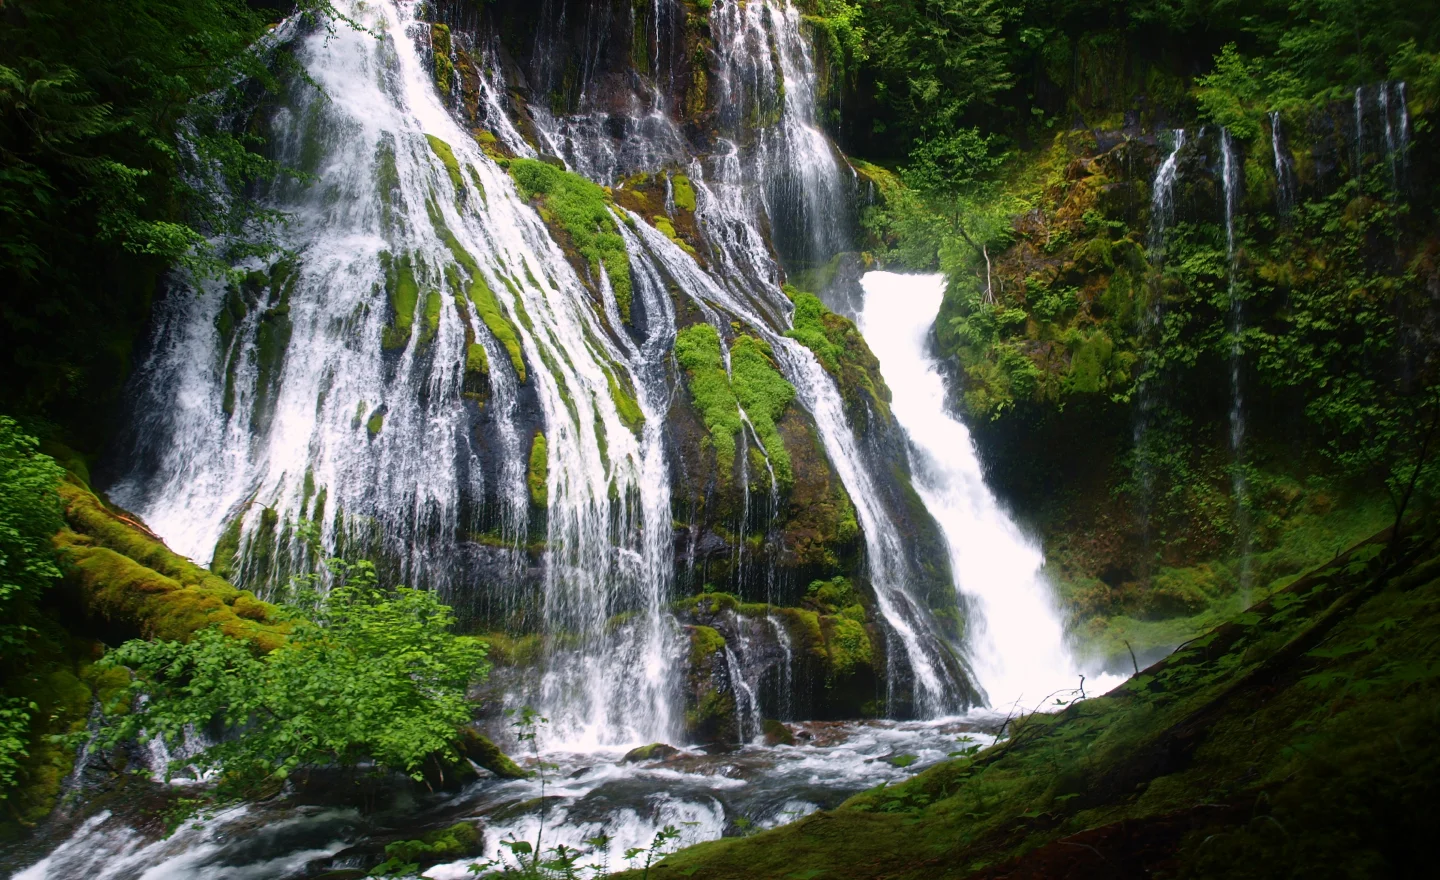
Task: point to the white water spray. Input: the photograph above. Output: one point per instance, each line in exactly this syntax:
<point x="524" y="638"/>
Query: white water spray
<point x="1017" y="642"/>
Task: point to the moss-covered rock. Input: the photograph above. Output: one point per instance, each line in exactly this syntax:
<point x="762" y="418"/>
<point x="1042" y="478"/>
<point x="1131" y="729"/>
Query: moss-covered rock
<point x="132" y="582"/>
<point x="843" y="353"/>
<point x="653" y="752"/>
<point x="442" y="845"/>
<point x="537" y="477"/>
<point x="580" y="211"/>
<point x="710" y="714"/>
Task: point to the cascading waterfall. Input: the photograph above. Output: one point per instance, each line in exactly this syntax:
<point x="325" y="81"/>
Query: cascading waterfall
<point x="1162" y="215"/>
<point x="1016" y="643"/>
<point x="766" y="91"/>
<point x="934" y="678"/>
<point x="302" y="455"/>
<point x="377" y="423"/>
<point x="1284" y="167"/>
<point x="1359" y="127"/>
<point x="1162" y="195"/>
<point x="1230" y="174"/>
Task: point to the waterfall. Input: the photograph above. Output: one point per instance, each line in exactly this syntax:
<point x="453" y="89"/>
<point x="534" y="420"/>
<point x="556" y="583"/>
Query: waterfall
<point x="1284" y="168"/>
<point x="1162" y="215"/>
<point x="917" y="651"/>
<point x="1016" y="643"/>
<point x="382" y="392"/>
<point x="1162" y="195"/>
<point x="766" y="89"/>
<point x="1359" y="128"/>
<point x="1230" y="175"/>
<point x="345" y="407"/>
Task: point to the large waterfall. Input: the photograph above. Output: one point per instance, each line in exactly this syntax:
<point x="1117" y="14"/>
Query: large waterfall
<point x="387" y="388"/>
<point x="1017" y="642"/>
<point x="431" y="378"/>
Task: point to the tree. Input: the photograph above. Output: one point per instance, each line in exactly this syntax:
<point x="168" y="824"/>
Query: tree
<point x="366" y="674"/>
<point x="29" y="517"/>
<point x="954" y="174"/>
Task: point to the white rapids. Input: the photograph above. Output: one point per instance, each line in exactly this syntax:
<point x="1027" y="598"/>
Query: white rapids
<point x="1017" y="647"/>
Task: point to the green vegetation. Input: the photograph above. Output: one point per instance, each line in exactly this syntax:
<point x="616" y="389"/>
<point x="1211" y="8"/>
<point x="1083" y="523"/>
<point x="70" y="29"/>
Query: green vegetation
<point x="364" y="674"/>
<point x="97" y="198"/>
<point x="484" y="300"/>
<point x="697" y="349"/>
<point x="443" y="845"/>
<point x="843" y="353"/>
<point x="581" y="210"/>
<point x="537" y="478"/>
<point x="754" y="383"/>
<point x="764" y="394"/>
<point x="446" y="155"/>
<point x="402" y="291"/>
<point x="29" y="517"/>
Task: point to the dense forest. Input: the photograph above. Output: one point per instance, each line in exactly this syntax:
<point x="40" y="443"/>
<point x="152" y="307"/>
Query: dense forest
<point x="459" y="438"/>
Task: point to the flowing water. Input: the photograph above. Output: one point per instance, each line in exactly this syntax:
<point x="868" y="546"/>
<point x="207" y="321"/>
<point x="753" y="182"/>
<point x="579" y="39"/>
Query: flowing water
<point x="1239" y="487"/>
<point x="585" y="793"/>
<point x="1017" y="643"/>
<point x="291" y="417"/>
<point x="1284" y="167"/>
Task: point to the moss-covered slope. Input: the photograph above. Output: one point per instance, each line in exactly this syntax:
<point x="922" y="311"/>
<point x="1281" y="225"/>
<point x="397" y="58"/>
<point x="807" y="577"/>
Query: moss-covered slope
<point x="1295" y="740"/>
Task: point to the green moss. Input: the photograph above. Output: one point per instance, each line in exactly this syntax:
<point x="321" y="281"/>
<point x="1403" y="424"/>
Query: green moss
<point x="477" y="363"/>
<point x="446" y="155"/>
<point x="1254" y="746"/>
<point x="227" y="549"/>
<point x="402" y="291"/>
<point x="376" y="422"/>
<point x="538" y="475"/>
<point x="764" y="394"/>
<point x="832" y="595"/>
<point x="580" y="208"/>
<point x="508" y="650"/>
<point x="697" y="348"/>
<point x="478" y="748"/>
<point x="440" y="45"/>
<point x="684" y="192"/>
<point x="705" y="642"/>
<point x="485" y="303"/>
<point x="447" y="844"/>
<point x="842" y="351"/>
<point x="432" y="317"/>
<point x="625" y="403"/>
<point x="131" y="580"/>
<point x="847" y="644"/>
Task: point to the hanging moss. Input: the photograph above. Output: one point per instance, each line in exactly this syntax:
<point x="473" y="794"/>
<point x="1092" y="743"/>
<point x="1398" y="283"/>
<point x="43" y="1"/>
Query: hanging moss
<point x="446" y="155"/>
<point x="764" y="394"/>
<point x="842" y="351"/>
<point x="135" y="583"/>
<point x="625" y="403"/>
<point x="847" y="643"/>
<point x="402" y="291"/>
<point x="697" y="348"/>
<point x="477" y="362"/>
<point x="580" y="208"/>
<point x="684" y="192"/>
<point x="483" y="297"/>
<point x="538" y="476"/>
<point x="376" y="422"/>
<point x="704" y="641"/>
<point x="432" y="317"/>
<point x="440" y="45"/>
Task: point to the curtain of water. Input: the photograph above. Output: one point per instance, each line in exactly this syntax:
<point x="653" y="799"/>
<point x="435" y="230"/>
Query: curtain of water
<point x="412" y="472"/>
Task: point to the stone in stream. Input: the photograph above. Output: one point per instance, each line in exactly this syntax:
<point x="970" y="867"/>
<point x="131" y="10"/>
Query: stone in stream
<point x="652" y="752"/>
